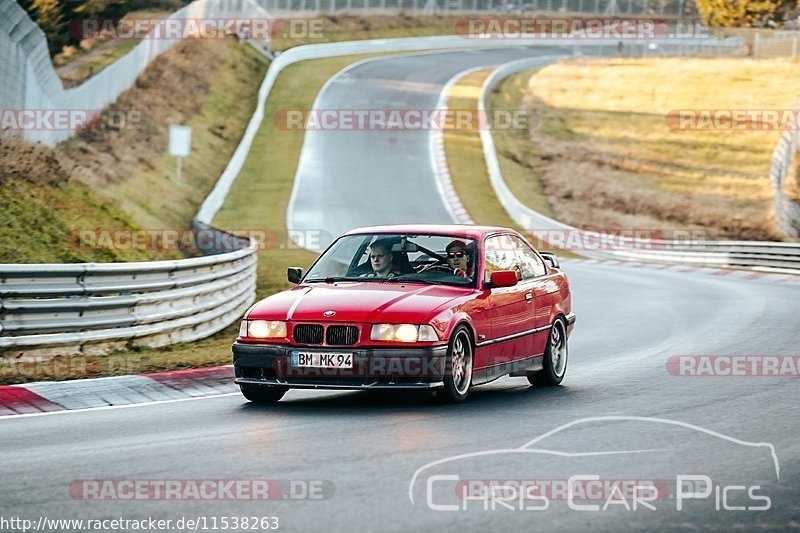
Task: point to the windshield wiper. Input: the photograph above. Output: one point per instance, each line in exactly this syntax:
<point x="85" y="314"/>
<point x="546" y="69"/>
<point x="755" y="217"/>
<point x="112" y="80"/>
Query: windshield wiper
<point x="405" y="277"/>
<point x="332" y="279"/>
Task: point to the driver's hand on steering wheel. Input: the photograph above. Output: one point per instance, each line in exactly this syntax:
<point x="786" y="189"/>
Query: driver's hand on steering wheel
<point x="444" y="267"/>
<point x="425" y="268"/>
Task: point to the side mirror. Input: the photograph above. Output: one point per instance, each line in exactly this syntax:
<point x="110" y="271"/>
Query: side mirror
<point x="503" y="278"/>
<point x="551" y="258"/>
<point x="295" y="274"/>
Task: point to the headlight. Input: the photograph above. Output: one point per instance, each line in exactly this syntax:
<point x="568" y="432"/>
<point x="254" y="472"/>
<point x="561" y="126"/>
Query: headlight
<point x="263" y="329"/>
<point x="403" y="333"/>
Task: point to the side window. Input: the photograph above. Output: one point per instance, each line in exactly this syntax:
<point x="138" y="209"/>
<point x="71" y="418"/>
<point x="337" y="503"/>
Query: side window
<point x="501" y="253"/>
<point x="532" y="265"/>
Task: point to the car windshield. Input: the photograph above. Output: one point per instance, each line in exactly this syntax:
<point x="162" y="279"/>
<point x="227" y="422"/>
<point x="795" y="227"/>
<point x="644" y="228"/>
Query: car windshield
<point x="381" y="257"/>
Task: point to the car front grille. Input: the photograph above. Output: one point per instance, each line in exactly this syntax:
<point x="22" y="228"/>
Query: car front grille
<point x="341" y="335"/>
<point x="307" y="333"/>
<point x="334" y="335"/>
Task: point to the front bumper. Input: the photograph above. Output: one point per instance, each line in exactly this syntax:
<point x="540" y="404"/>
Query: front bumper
<point x="373" y="368"/>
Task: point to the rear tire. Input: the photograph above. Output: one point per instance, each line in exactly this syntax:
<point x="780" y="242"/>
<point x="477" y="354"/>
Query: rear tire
<point x="458" y="367"/>
<point x="555" y="357"/>
<point x="262" y="394"/>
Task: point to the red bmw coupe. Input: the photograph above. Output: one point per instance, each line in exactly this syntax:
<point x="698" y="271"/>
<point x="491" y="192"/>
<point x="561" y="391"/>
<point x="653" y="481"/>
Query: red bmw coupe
<point x="431" y="307"/>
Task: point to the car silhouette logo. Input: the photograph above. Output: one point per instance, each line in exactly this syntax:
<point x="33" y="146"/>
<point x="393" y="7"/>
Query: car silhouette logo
<point x="329" y="313"/>
<point x="456" y="474"/>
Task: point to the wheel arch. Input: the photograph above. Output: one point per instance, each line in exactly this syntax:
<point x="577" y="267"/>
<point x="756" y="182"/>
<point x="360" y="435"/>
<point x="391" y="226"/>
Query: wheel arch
<point x="468" y="327"/>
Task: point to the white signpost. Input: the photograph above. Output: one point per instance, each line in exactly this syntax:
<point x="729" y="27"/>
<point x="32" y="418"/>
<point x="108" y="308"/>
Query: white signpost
<point x="180" y="141"/>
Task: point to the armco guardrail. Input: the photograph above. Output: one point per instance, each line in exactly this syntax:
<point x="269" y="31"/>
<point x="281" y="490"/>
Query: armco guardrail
<point x="641" y="8"/>
<point x="787" y="210"/>
<point x="96" y="307"/>
<point x="765" y="256"/>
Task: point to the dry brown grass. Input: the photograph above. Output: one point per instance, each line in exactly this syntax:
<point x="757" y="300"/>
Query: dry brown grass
<point x="608" y="159"/>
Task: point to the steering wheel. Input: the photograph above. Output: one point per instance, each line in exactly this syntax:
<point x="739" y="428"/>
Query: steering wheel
<point x="438" y="267"/>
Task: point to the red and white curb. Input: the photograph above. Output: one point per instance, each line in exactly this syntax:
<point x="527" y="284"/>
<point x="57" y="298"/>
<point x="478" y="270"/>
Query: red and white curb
<point x="50" y="396"/>
<point x="728" y="273"/>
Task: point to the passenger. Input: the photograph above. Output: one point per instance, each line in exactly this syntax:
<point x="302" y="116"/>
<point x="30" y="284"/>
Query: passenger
<point x="458" y="258"/>
<point x="380" y="258"/>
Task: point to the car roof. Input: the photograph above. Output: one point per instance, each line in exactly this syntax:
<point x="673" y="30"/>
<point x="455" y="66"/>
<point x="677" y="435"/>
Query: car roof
<point x="454" y="230"/>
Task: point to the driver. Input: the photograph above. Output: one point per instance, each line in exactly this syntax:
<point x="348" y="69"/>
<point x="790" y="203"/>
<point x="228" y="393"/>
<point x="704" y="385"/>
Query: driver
<point x="458" y="258"/>
<point x="380" y="259"/>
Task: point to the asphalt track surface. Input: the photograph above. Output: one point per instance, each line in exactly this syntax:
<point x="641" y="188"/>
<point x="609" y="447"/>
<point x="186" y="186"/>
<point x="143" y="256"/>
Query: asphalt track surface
<point x="370" y="447"/>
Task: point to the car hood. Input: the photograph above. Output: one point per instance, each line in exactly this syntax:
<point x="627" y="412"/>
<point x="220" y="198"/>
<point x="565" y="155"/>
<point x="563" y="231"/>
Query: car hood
<point x="371" y="302"/>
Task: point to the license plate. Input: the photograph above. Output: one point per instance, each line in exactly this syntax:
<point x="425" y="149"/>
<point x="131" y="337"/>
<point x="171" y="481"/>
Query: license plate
<point x="322" y="360"/>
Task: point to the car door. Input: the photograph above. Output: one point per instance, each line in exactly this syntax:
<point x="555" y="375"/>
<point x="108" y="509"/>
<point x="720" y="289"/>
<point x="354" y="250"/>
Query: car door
<point x="508" y="307"/>
<point x="540" y="293"/>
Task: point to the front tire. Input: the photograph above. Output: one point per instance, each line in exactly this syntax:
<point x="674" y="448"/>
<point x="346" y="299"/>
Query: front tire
<point x="555" y="357"/>
<point x="458" y="367"/>
<point x="262" y="395"/>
